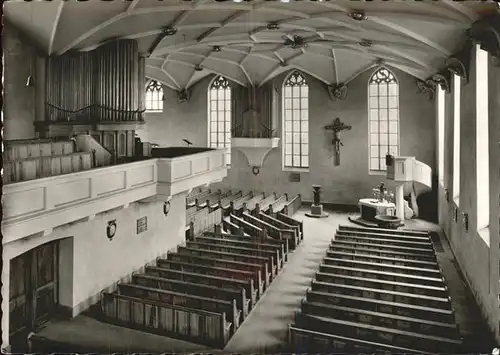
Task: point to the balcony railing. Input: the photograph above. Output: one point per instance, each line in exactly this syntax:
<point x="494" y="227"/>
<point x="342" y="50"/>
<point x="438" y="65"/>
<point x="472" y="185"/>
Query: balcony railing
<point x="38" y="206"/>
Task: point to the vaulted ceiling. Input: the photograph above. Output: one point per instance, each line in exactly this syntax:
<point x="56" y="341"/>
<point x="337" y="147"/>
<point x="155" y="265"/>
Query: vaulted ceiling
<point x="253" y="41"/>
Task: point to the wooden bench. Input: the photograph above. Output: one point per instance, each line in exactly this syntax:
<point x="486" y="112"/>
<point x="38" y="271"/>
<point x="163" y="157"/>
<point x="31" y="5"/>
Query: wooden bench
<point x="225" y="202"/>
<point x="291" y="221"/>
<point x="417" y="289"/>
<point x="281" y="225"/>
<point x="250" y="204"/>
<point x="378" y="333"/>
<point x="369" y="304"/>
<point x="398" y="237"/>
<point x="162" y="283"/>
<point x="264" y="204"/>
<point x="354" y="248"/>
<point x="424" y="253"/>
<point x="384" y="295"/>
<point x="278" y="205"/>
<point x="382" y="275"/>
<point x="293" y="205"/>
<point x="272" y="256"/>
<point x="225" y="272"/>
<point x="239" y="202"/>
<point x="385" y="231"/>
<point x="418" y="271"/>
<point x="309" y="341"/>
<point x="253" y="230"/>
<point x="382" y="259"/>
<point x="389" y="242"/>
<point x="205" y="279"/>
<point x="228" y="239"/>
<point x="194" y="325"/>
<point x="415" y="325"/>
<point x="184" y="300"/>
<point x="215" y="260"/>
<point x="230" y="228"/>
<point x="192" y="200"/>
<point x="272" y="231"/>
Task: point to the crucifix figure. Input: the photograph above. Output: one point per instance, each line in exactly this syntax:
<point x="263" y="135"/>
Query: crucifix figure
<point x="337" y="127"/>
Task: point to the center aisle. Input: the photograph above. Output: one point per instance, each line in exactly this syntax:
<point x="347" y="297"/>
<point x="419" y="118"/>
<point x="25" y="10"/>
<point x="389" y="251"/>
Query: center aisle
<point x="265" y="329"/>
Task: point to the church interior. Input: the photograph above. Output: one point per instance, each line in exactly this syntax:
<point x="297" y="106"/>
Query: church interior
<point x="251" y="176"/>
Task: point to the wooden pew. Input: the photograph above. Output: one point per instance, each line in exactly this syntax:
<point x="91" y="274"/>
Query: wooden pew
<point x="332" y="253"/>
<point x="225" y="203"/>
<point x="204" y="222"/>
<point x="263" y="276"/>
<point x="224" y="272"/>
<point x="236" y="204"/>
<point x="272" y="231"/>
<point x="416" y="325"/>
<point x="423" y="254"/>
<point x="211" y="199"/>
<point x="389" y="242"/>
<point x="369" y="304"/>
<point x="385" y="231"/>
<point x="249" y="205"/>
<point x="382" y="275"/>
<point x="196" y="194"/>
<point x="378" y="334"/>
<point x="272" y="256"/>
<point x="384" y="295"/>
<point x="291" y="221"/>
<point x="206" y="279"/>
<point x="162" y="283"/>
<point x="210" y="328"/>
<point x="231" y="228"/>
<point x="277" y="206"/>
<point x="434" y="291"/>
<point x="184" y="300"/>
<point x="228" y="239"/>
<point x="293" y="206"/>
<point x="250" y="228"/>
<point x="281" y="225"/>
<point x="368" y="238"/>
<point x="309" y="341"/>
<point x="241" y="258"/>
<point x="417" y="271"/>
<point x="353" y="248"/>
<point x="409" y="238"/>
<point x="264" y="204"/>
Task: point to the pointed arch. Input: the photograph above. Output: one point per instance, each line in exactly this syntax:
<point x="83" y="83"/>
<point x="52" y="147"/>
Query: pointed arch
<point x="154" y="96"/>
<point x="295" y="122"/>
<point x="219" y="114"/>
<point x="383" y="118"/>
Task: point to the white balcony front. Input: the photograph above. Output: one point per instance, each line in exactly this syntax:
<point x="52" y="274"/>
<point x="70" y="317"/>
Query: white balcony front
<point x="255" y="149"/>
<point x="38" y="206"/>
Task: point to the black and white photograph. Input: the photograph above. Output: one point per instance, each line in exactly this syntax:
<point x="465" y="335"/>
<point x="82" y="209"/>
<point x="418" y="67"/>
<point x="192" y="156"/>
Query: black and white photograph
<point x="250" y="177"/>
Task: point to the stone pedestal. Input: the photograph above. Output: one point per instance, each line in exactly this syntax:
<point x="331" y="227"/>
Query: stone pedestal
<point x="317" y="207"/>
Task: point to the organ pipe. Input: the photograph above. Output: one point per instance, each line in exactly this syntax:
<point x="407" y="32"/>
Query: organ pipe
<point x="96" y="85"/>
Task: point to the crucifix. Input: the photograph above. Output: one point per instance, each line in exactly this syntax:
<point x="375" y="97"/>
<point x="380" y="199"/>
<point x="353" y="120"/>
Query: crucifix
<point x="337" y="127"/>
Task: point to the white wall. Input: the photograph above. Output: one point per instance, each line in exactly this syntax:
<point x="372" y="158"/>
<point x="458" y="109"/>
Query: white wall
<point x="98" y="263"/>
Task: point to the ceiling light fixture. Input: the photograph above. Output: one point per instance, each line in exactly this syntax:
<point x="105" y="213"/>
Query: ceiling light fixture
<point x="358" y="15"/>
<point x="273" y="26"/>
<point x="198" y="67"/>
<point x="169" y="31"/>
<point x="216" y="49"/>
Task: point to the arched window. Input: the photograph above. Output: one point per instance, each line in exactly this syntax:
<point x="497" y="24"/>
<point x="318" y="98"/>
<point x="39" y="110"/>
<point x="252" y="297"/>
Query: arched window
<point x="154" y="97"/>
<point x="295" y="122"/>
<point x="219" y="115"/>
<point x="383" y="114"/>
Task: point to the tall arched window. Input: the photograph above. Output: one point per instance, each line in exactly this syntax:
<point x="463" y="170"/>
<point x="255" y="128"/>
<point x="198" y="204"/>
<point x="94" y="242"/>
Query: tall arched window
<point x="383" y="113"/>
<point x="295" y="122"/>
<point x="219" y="115"/>
<point x="154" y="97"/>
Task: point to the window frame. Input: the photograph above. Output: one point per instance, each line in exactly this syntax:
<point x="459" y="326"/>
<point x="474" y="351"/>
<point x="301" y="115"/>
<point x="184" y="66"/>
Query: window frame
<point x="155" y="88"/>
<point x="398" y="134"/>
<point x="225" y="82"/>
<point x="292" y="168"/>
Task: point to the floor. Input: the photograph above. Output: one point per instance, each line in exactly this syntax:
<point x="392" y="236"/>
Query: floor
<point x="265" y="329"/>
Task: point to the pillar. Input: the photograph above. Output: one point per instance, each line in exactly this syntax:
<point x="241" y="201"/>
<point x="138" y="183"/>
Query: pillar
<point x="40" y="80"/>
<point x="400" y="202"/>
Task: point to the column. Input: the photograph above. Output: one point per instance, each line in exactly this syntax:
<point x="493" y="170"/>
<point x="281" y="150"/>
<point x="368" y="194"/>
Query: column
<point x="5" y="303"/>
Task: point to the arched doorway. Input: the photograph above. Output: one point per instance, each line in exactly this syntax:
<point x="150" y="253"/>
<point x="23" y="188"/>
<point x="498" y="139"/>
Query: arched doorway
<point x="33" y="293"/>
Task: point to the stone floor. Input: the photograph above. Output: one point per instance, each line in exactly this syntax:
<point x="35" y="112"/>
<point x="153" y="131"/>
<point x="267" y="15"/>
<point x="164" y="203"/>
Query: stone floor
<point x="265" y="330"/>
